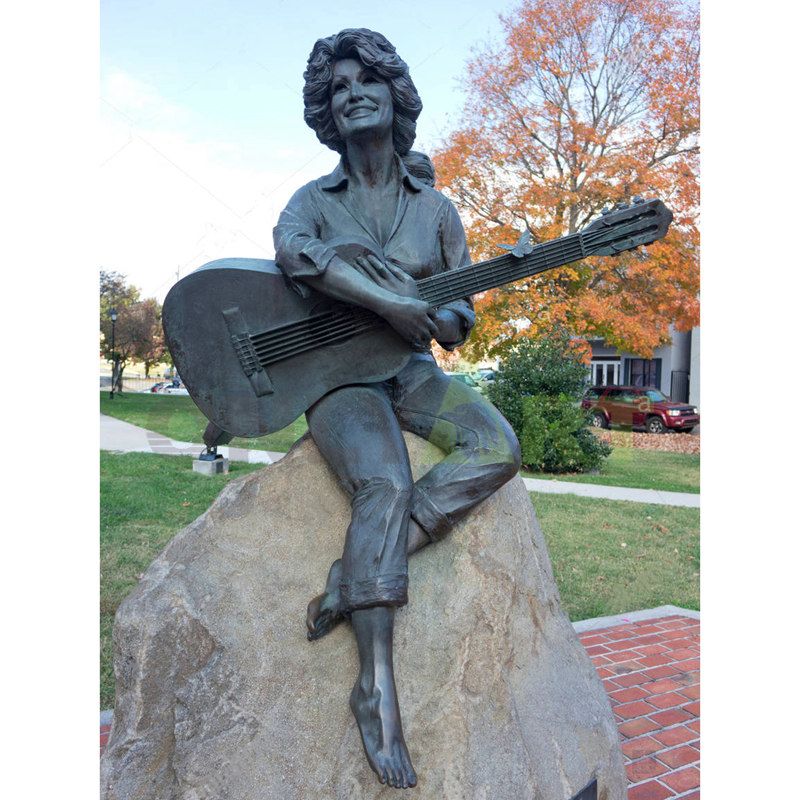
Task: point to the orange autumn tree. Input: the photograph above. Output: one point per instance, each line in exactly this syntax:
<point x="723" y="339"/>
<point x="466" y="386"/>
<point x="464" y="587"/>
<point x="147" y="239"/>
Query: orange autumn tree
<point x="586" y="103"/>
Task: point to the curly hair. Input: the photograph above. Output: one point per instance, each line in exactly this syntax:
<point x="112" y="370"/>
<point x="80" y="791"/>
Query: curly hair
<point x="376" y="52"/>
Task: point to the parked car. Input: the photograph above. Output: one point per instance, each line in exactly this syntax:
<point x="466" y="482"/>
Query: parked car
<point x="155" y="388"/>
<point x="485" y="375"/>
<point x="466" y="378"/>
<point x="638" y="407"/>
<point x="171" y="389"/>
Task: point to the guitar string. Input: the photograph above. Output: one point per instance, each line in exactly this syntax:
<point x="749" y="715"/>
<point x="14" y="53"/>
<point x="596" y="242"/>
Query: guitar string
<point x="317" y="324"/>
<point x="311" y="335"/>
<point x="509" y="274"/>
<point x="449" y="287"/>
<point x="318" y="333"/>
<point x="339" y="337"/>
<point x="472" y="280"/>
<point x="439" y="293"/>
<point x="347" y="328"/>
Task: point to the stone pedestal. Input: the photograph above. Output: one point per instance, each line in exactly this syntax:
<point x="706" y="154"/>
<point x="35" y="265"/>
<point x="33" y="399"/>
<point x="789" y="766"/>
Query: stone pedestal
<point x="221" y="697"/>
<point x="219" y="466"/>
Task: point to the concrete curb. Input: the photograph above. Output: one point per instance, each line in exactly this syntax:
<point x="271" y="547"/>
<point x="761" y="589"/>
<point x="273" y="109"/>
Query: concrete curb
<point x="597" y="623"/>
<point x="107" y="716"/>
<point x="652" y="496"/>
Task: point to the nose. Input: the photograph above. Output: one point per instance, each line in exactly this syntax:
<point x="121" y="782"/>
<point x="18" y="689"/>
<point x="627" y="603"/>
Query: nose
<point x="356" y="91"/>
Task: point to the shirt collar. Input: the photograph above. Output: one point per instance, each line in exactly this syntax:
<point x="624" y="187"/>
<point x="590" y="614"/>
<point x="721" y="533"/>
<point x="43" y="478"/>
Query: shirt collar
<point x="338" y="179"/>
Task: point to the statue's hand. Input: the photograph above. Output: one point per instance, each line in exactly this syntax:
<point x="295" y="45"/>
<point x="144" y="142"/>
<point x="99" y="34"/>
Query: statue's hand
<point x="412" y="319"/>
<point x="387" y="276"/>
<point x="448" y="326"/>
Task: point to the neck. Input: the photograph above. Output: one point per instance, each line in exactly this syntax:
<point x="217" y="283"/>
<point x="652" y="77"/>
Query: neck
<point x="371" y="161"/>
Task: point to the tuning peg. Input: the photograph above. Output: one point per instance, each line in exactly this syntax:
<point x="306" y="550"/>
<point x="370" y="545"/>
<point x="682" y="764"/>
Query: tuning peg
<point x="606" y="210"/>
<point x="620" y="206"/>
<point x="638" y="199"/>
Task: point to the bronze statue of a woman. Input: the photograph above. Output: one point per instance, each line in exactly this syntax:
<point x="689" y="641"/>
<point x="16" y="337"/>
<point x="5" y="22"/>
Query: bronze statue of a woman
<point x="361" y="102"/>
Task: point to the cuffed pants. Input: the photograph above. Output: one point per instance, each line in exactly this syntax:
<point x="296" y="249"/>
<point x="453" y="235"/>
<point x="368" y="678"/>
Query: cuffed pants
<point x="358" y="431"/>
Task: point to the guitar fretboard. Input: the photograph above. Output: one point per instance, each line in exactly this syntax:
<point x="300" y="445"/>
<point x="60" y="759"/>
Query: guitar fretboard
<point x="448" y="286"/>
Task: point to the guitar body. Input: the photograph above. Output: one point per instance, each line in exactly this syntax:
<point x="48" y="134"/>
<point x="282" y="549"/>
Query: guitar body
<point x="204" y="313"/>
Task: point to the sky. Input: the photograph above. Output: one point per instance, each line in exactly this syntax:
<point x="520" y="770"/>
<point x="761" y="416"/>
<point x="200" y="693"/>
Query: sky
<point x="202" y="139"/>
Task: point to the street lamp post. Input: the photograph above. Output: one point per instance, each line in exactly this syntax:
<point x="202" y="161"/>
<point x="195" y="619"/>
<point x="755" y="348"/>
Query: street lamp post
<point x="113" y="314"/>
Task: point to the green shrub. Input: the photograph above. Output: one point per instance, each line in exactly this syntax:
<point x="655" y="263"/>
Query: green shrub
<point x="555" y="436"/>
<point x="547" y="365"/>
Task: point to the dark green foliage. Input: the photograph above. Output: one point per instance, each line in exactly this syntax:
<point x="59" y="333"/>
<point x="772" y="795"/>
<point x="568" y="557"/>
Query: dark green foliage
<point x="555" y="436"/>
<point x="548" y="366"/>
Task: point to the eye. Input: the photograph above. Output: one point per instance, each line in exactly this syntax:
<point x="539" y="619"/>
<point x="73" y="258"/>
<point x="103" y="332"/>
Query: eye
<point x="338" y="86"/>
<point x="369" y="78"/>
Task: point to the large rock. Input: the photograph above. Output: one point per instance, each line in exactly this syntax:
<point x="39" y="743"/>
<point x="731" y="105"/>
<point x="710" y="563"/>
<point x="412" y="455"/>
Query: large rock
<point x="221" y="697"/>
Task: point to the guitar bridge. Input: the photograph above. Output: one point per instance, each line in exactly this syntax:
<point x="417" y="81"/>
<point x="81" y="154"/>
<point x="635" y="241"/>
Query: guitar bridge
<point x="243" y="346"/>
<point x="245" y="351"/>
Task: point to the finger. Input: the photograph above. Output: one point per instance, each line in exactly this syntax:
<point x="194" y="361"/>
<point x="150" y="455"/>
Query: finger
<point x="359" y="267"/>
<point x="377" y="264"/>
<point x="396" y="271"/>
<point x="366" y="269"/>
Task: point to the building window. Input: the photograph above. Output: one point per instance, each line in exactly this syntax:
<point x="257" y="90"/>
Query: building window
<point x="644" y="372"/>
<point x="605" y="373"/>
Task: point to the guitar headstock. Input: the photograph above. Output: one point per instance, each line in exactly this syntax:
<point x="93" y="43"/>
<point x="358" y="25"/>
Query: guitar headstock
<point x="626" y="227"/>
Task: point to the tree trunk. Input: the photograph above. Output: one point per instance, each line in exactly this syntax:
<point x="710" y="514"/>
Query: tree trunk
<point x="117" y="380"/>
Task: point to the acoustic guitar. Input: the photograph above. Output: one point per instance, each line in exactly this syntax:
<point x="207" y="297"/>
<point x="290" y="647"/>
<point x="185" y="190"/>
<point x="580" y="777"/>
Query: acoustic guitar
<point x="254" y="354"/>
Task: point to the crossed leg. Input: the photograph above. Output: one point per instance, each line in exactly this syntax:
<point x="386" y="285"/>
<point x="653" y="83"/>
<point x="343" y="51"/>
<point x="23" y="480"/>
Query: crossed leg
<point x="481" y="454"/>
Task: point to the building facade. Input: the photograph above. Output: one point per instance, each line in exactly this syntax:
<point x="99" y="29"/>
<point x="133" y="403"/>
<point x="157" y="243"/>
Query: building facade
<point x="674" y="367"/>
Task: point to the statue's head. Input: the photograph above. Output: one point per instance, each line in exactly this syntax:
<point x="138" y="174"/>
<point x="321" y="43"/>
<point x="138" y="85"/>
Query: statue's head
<point x="378" y="54"/>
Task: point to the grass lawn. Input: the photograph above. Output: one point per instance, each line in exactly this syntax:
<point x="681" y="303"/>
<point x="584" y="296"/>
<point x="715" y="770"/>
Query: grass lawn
<point x="177" y="417"/>
<point x="610" y="556"/>
<point x="640" y="469"/>
<point x="145" y="500"/>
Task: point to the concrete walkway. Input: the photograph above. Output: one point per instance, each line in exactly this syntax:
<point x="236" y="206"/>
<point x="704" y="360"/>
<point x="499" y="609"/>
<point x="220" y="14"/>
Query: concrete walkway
<point x="653" y="496"/>
<point x="122" y="437"/>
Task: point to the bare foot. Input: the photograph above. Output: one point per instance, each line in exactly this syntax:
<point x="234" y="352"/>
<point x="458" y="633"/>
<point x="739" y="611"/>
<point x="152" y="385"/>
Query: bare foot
<point x="324" y="611"/>
<point x="374" y="705"/>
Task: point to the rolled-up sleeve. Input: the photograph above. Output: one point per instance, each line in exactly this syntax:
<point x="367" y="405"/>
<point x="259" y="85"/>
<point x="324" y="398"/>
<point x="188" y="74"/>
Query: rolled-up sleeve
<point x="299" y="252"/>
<point x="456" y="255"/>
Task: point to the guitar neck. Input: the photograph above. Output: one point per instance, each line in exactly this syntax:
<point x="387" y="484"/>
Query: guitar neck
<point x="454" y="284"/>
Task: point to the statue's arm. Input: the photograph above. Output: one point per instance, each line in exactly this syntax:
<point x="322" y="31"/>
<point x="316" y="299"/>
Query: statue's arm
<point x="308" y="261"/>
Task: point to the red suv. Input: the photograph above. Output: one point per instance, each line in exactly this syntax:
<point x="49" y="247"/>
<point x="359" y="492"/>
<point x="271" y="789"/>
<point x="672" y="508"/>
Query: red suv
<point x="638" y="407"/>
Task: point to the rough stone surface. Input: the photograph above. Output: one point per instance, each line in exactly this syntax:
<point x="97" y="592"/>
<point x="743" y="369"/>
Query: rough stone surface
<point x="221" y="697"/>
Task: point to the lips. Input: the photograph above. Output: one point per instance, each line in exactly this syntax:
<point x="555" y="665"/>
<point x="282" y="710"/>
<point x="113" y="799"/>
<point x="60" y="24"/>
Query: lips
<point x="356" y="109"/>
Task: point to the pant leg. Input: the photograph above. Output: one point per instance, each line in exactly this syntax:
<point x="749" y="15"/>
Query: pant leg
<point x="359" y="436"/>
<point x="482" y="450"/>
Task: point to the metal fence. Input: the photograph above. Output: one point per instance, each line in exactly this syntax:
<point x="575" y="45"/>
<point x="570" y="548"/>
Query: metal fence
<point x="131" y="382"/>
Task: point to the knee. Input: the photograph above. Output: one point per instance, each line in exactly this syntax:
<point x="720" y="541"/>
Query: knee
<point x="395" y="489"/>
<point x="501" y="447"/>
<point x="509" y="457"/>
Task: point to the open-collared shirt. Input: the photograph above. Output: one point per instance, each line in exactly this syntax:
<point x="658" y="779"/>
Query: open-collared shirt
<point x="426" y="237"/>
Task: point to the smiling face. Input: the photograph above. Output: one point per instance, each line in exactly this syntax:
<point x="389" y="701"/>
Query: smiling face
<point x="361" y="101"/>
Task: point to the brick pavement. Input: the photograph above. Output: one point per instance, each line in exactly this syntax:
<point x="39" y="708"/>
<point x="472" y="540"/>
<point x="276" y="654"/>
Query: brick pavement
<point x="651" y="671"/>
